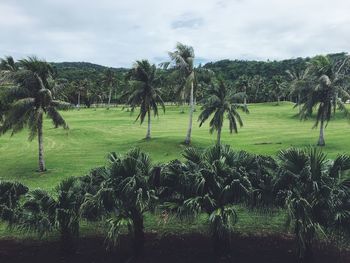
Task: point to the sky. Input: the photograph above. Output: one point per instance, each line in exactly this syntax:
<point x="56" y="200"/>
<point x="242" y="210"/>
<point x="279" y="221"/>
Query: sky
<point x="117" y="32"/>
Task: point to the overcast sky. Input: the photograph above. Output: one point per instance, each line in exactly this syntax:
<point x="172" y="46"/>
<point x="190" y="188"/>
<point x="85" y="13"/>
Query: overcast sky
<point x="117" y="32"/>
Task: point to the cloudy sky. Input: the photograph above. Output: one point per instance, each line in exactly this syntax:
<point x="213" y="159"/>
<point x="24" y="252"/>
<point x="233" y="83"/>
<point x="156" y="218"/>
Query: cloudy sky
<point x="117" y="32"/>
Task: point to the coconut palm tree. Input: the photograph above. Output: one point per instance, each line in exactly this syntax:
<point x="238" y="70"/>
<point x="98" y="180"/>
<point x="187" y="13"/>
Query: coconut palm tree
<point x="299" y="83"/>
<point x="109" y="81"/>
<point x="43" y="213"/>
<point x="145" y="92"/>
<point x="29" y="99"/>
<point x="182" y="59"/>
<point x="312" y="189"/>
<point x="123" y="196"/>
<point x="219" y="102"/>
<point x="327" y="93"/>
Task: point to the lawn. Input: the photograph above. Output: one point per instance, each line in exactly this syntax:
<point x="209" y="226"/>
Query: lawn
<point x="94" y="133"/>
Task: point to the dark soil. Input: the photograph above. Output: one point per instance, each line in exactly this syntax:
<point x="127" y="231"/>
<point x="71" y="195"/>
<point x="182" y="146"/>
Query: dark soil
<point x="169" y="249"/>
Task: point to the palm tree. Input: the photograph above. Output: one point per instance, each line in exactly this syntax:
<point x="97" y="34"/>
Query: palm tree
<point x="299" y="83"/>
<point x="219" y="102"/>
<point x="208" y="182"/>
<point x="328" y="84"/>
<point x="144" y="92"/>
<point x="124" y="195"/>
<point x="30" y="99"/>
<point x="278" y="87"/>
<point x="109" y="81"/>
<point x="8" y="64"/>
<point x="43" y="213"/>
<point x="10" y="195"/>
<point x="182" y="59"/>
<point x="313" y="189"/>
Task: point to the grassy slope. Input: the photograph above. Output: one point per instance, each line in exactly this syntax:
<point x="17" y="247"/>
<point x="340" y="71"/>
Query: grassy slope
<point x="93" y="134"/>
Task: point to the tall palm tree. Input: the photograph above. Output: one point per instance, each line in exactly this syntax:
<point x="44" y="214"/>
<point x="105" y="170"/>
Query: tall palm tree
<point x="30" y="99"/>
<point x="145" y="92"/>
<point x="329" y="88"/>
<point x="182" y="59"/>
<point x="109" y="81"/>
<point x="219" y="102"/>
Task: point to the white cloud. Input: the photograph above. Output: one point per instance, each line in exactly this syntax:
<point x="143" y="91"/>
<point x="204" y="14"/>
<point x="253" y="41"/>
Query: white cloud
<point x="116" y="33"/>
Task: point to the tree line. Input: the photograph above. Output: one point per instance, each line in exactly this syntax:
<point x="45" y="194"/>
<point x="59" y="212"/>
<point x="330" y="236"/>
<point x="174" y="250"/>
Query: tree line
<point x="313" y="190"/>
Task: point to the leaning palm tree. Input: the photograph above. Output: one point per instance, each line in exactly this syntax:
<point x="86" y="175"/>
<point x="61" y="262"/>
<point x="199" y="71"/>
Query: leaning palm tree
<point x="327" y="93"/>
<point x="182" y="59"/>
<point x="144" y="92"/>
<point x="109" y="81"/>
<point x="30" y="99"/>
<point x="219" y="102"/>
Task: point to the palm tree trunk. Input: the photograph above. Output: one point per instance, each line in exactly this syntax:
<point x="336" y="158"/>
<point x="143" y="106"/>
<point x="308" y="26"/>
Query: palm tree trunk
<point x="78" y="106"/>
<point x="42" y="167"/>
<point x="109" y="98"/>
<point x="139" y="236"/>
<point x="299" y="104"/>
<point x="148" y="135"/>
<point x="245" y="96"/>
<point x="189" y="130"/>
<point x="218" y="141"/>
<point x="321" y="141"/>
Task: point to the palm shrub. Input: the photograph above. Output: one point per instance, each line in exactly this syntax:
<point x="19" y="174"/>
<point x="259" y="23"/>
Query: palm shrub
<point x="218" y="103"/>
<point x="145" y="92"/>
<point x="10" y="196"/>
<point x="29" y="99"/>
<point x="328" y="92"/>
<point x="206" y="182"/>
<point x="315" y="192"/>
<point x="124" y="196"/>
<point x="43" y="213"/>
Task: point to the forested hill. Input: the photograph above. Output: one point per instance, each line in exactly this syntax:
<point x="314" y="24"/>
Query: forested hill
<point x="73" y="71"/>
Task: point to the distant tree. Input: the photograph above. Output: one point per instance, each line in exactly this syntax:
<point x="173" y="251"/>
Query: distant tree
<point x="220" y="102"/>
<point x="299" y="83"/>
<point x="144" y="92"/>
<point x="109" y="81"/>
<point x="327" y="93"/>
<point x="182" y="60"/>
<point x="30" y="99"/>
<point x="278" y="87"/>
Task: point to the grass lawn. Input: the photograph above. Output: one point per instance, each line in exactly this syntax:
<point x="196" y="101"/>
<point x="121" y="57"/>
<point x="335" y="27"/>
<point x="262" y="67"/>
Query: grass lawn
<point x="94" y="133"/>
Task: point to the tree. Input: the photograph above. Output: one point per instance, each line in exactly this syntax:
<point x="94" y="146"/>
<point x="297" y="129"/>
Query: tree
<point x="43" y="213"/>
<point x="182" y="59"/>
<point x="8" y="64"/>
<point x="109" y="81"/>
<point x="124" y="195"/>
<point x="210" y="182"/>
<point x="313" y="189"/>
<point x="145" y="92"/>
<point x="299" y="84"/>
<point x="278" y="88"/>
<point x="219" y="102"/>
<point x="327" y="93"/>
<point x="29" y="100"/>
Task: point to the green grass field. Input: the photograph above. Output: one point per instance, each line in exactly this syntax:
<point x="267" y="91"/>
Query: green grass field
<point x="94" y="133"/>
